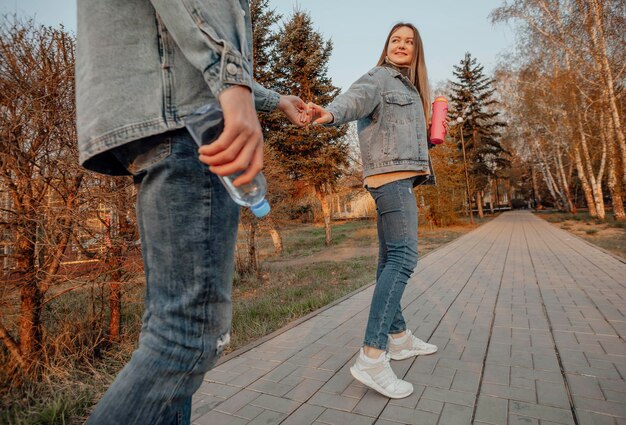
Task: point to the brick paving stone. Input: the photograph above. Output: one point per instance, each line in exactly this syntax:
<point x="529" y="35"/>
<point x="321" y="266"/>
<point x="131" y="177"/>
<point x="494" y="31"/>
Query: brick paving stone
<point x="551" y="394"/>
<point x="218" y="418"/>
<point x="586" y="417"/>
<point x="430" y="406"/>
<point x="337" y="417"/>
<point x="268" y="417"/>
<point x="522" y="420"/>
<point x="540" y="412"/>
<point x="511" y="393"/>
<point x="607" y="407"/>
<point x="456" y="397"/>
<point x="466" y="381"/>
<point x="270" y="387"/>
<point x="409" y="416"/>
<point x="304" y="390"/>
<point x="454" y="414"/>
<point x="497" y="374"/>
<point x="371" y="404"/>
<point x="306" y="414"/>
<point x="276" y="404"/>
<point x="334" y="401"/>
<point x="203" y="404"/>
<point x="249" y="412"/>
<point x="492" y="410"/>
<point x="238" y="401"/>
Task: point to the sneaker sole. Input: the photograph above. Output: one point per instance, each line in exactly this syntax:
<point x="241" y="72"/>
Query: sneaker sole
<point x="366" y="380"/>
<point x="404" y="354"/>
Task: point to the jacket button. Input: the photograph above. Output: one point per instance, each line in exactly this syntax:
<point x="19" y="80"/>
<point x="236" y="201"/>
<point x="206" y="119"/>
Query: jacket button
<point x="231" y="68"/>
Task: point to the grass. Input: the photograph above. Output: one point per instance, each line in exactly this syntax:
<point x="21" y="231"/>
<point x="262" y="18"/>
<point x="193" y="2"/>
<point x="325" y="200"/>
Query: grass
<point x="80" y="364"/>
<point x="260" y="307"/>
<point x="608" y="234"/>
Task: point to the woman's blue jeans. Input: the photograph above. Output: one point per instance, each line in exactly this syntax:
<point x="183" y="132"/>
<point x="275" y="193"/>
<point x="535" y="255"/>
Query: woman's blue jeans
<point x="397" y="257"/>
<point x="188" y="228"/>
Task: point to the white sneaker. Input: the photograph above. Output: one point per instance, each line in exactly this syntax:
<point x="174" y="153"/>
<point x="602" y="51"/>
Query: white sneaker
<point x="409" y="346"/>
<point x="378" y="375"/>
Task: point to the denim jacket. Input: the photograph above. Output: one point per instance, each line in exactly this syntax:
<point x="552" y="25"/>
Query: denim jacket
<point x="143" y="65"/>
<point x="391" y="124"/>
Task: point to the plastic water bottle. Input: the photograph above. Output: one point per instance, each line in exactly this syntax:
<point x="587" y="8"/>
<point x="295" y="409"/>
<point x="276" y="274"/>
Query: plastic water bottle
<point x="205" y="125"/>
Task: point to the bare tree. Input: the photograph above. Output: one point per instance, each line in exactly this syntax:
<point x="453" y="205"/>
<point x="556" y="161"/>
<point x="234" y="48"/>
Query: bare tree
<point x="39" y="168"/>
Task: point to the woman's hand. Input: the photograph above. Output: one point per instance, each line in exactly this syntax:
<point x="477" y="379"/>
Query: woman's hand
<point x="318" y="115"/>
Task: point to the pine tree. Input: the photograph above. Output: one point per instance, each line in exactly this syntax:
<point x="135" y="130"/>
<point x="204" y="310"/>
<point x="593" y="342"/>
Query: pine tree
<point x="313" y="156"/>
<point x="264" y="40"/>
<point x="473" y="101"/>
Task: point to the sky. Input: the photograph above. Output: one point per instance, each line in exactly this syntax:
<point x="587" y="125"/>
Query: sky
<point x="358" y="29"/>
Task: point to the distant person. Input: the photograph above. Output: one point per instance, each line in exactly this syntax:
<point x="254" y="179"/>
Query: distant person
<point x="142" y="67"/>
<point x="392" y="105"/>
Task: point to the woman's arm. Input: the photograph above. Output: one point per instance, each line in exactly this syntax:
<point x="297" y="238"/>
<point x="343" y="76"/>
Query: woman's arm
<point x="359" y="101"/>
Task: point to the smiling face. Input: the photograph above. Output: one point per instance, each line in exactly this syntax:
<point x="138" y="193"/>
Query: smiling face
<point x="401" y="47"/>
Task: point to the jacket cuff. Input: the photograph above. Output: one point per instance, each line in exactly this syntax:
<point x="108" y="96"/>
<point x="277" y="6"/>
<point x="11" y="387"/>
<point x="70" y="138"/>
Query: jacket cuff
<point x="337" y="118"/>
<point x="270" y="102"/>
<point x="232" y="70"/>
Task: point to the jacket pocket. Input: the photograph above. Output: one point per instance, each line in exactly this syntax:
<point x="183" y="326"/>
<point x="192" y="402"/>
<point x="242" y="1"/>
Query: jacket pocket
<point x="139" y="155"/>
<point x="399" y="107"/>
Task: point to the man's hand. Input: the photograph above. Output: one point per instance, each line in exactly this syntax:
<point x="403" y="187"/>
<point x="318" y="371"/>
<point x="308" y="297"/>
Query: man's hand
<point x="294" y="109"/>
<point x="240" y="146"/>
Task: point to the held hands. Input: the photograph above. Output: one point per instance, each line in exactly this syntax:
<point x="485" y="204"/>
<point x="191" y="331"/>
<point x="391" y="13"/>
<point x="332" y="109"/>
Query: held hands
<point x="318" y="115"/>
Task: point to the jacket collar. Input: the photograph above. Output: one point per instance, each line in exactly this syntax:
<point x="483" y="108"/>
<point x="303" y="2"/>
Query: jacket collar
<point x="396" y="71"/>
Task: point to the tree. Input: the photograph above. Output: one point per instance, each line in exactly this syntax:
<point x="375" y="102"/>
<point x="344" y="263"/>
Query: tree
<point x="313" y="156"/>
<point x="473" y="101"/>
<point x="39" y="168"/>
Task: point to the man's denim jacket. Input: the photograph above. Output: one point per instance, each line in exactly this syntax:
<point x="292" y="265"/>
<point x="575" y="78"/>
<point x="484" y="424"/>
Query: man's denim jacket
<point x="391" y="124"/>
<point x="143" y="65"/>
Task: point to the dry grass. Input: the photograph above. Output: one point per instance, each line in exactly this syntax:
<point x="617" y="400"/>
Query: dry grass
<point x="80" y="363"/>
<point x="608" y="234"/>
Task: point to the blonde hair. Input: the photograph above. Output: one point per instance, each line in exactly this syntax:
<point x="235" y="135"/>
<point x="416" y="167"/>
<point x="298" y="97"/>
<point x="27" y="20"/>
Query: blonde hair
<point x="417" y="70"/>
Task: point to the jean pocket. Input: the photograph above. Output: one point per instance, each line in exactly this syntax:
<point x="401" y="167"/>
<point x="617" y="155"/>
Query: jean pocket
<point x="142" y="154"/>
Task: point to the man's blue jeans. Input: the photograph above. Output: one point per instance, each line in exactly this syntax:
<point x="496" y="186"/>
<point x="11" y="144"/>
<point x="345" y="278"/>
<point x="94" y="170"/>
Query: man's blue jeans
<point x="188" y="227"/>
<point x="397" y="257"/>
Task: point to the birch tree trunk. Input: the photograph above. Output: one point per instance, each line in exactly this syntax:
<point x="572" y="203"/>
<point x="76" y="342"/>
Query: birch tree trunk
<point x="598" y="36"/>
<point x="591" y="204"/>
<point x="615" y="188"/>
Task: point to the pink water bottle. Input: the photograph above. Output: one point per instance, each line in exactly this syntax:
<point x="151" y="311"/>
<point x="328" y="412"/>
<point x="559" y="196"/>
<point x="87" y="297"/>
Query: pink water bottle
<point x="440" y="111"/>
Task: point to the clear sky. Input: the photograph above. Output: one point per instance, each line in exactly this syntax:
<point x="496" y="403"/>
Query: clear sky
<point x="358" y="29"/>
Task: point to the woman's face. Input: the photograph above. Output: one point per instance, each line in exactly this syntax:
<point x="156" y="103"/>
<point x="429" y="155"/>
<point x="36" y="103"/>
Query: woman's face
<point x="401" y="46"/>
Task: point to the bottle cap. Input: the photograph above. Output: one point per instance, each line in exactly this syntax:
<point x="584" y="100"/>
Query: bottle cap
<point x="261" y="209"/>
<point x="441" y="99"/>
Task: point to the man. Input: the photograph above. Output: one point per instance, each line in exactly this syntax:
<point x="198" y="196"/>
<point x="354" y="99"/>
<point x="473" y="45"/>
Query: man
<point x="142" y="66"/>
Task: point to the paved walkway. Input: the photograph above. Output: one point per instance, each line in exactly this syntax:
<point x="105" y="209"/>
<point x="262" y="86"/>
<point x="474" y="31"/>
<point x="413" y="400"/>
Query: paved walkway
<point x="530" y="323"/>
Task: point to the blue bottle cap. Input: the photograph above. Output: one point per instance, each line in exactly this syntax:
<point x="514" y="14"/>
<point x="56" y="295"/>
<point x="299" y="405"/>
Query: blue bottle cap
<point x="261" y="209"/>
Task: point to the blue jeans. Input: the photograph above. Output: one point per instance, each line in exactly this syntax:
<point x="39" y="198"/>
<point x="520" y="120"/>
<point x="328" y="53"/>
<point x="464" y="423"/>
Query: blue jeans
<point x="188" y="228"/>
<point x="397" y="257"/>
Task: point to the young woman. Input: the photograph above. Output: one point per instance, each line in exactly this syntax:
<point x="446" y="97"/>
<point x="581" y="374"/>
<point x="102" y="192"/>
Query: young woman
<point x="392" y="106"/>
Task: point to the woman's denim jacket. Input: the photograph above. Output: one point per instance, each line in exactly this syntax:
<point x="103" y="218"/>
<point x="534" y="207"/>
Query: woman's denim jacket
<point x="391" y="124"/>
<point x="143" y="65"/>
